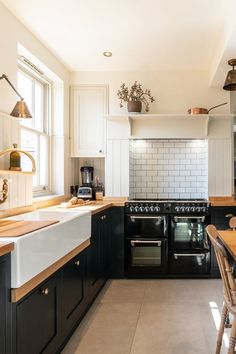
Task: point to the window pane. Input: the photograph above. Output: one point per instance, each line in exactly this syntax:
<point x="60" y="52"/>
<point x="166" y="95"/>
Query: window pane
<point x="29" y="143"/>
<point x="25" y="87"/>
<point x="38" y="114"/>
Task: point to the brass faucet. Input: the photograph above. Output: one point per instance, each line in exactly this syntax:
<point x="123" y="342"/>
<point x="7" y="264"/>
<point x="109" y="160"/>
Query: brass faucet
<point x="4" y="191"/>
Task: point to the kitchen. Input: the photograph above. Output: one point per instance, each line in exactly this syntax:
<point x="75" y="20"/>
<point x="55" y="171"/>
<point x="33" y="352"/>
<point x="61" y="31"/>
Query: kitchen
<point x="159" y="170"/>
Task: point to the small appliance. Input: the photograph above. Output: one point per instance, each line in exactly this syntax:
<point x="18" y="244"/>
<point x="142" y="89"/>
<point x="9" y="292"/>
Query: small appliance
<point x="86" y="191"/>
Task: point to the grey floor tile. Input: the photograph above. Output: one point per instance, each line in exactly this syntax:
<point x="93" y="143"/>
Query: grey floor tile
<point x="111" y="331"/>
<point x="151" y="317"/>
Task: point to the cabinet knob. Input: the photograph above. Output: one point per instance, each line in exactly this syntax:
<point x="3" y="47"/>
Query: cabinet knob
<point x="104" y="217"/>
<point x="45" y="291"/>
<point x="100" y="151"/>
<point x="77" y="263"/>
<point x="228" y="216"/>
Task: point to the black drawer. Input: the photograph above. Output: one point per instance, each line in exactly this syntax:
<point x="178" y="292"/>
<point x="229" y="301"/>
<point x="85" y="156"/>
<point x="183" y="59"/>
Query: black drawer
<point x="187" y="263"/>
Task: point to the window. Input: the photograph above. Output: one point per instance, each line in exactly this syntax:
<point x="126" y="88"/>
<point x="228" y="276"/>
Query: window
<point x="35" y="132"/>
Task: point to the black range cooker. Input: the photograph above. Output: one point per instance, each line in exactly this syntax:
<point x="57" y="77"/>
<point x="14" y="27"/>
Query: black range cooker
<point x="166" y="238"/>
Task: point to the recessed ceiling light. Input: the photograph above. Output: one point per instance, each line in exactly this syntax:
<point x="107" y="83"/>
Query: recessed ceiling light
<point x="107" y="54"/>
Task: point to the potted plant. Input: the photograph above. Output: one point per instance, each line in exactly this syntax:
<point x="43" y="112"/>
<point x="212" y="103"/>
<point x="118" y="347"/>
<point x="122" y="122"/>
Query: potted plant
<point x="134" y="97"/>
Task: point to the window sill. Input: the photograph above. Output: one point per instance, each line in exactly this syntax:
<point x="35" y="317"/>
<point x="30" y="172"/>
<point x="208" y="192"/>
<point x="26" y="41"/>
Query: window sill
<point x="48" y="200"/>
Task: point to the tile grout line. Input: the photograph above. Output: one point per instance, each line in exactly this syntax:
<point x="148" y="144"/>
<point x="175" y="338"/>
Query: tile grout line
<point x="141" y="303"/>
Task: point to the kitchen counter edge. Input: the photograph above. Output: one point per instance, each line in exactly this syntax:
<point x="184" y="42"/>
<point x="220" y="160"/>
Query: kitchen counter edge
<point x="222" y="201"/>
<point x="6" y="247"/>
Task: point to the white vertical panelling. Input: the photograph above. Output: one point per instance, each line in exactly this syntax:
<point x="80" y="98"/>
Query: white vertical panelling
<point x="109" y="169"/>
<point x="20" y="185"/>
<point x="116" y="161"/>
<point x="117" y="168"/>
<point x="29" y="187"/>
<point x="220" y="167"/>
<point x="124" y="168"/>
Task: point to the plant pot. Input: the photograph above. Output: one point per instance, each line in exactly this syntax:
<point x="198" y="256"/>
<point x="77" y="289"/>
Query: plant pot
<point x="134" y="106"/>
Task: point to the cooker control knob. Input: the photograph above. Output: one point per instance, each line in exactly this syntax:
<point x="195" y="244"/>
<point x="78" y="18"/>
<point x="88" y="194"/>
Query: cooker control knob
<point x="141" y="209"/>
<point x="177" y="208"/>
<point x="198" y="209"/>
<point x="157" y="208"/>
<point x="151" y="209"/>
<point x="147" y="209"/>
<point x="182" y="209"/>
<point x="187" y="209"/>
<point x="136" y="209"/>
<point x="193" y="209"/>
<point x="131" y="209"/>
<point x="203" y="209"/>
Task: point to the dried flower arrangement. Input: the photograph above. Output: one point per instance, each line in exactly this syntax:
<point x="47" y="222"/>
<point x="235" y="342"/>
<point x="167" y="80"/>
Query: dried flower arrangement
<point x="136" y="93"/>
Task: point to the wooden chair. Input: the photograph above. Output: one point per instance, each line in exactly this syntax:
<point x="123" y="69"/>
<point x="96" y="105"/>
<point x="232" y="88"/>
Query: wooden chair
<point x="232" y="223"/>
<point x="229" y="289"/>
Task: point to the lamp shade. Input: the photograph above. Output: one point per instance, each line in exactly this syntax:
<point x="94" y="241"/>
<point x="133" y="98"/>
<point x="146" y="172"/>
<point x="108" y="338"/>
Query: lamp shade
<point x="21" y="110"/>
<point x="230" y="81"/>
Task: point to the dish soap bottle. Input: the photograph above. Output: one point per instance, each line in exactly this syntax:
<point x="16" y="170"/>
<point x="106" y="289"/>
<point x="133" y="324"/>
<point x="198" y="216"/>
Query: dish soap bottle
<point x="15" y="160"/>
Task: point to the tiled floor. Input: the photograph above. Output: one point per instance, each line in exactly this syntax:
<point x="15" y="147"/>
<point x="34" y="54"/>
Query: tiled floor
<point x="151" y="317"/>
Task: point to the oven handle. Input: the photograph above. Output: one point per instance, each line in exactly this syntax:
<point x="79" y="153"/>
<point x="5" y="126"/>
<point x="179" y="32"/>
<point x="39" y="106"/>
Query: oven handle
<point x="133" y="242"/>
<point x="146" y="217"/>
<point x="202" y="218"/>
<point x="176" y="255"/>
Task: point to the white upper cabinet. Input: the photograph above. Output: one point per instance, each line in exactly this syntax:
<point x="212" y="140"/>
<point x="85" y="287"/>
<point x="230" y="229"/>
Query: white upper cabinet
<point x="89" y="104"/>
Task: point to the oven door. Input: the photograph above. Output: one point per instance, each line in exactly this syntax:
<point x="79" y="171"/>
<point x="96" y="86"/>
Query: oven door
<point x="189" y="263"/>
<point x="188" y="233"/>
<point x="146" y="226"/>
<point x="146" y="256"/>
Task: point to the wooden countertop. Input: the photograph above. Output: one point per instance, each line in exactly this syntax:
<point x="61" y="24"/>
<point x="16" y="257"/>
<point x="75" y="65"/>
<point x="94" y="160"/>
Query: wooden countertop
<point x="100" y="205"/>
<point x="229" y="240"/>
<point x="222" y="201"/>
<point x="6" y="247"/>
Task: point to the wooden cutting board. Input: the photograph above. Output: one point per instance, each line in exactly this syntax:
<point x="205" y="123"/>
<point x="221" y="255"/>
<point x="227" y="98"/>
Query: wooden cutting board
<point x="16" y="228"/>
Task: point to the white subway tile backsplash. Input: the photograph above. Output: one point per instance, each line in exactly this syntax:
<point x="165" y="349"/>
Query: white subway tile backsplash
<point x="168" y="168"/>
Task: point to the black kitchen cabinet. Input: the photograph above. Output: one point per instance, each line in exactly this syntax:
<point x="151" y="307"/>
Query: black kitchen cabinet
<point x="72" y="292"/>
<point x="5" y="305"/>
<point x="116" y="253"/>
<point x="220" y="218"/>
<point x="98" y="253"/>
<point x="37" y="320"/>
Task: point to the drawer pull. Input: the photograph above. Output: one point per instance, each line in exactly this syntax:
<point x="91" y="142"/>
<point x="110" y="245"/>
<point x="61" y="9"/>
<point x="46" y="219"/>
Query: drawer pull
<point x="77" y="263"/>
<point x="228" y="216"/>
<point x="45" y="291"/>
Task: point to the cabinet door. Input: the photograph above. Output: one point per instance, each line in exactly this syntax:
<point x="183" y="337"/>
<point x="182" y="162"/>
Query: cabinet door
<point x="89" y="104"/>
<point x="37" y="320"/>
<point x="93" y="273"/>
<point x="105" y="241"/>
<point x="72" y="292"/>
<point x="4" y="304"/>
<point x="116" y="252"/>
<point x="220" y="216"/>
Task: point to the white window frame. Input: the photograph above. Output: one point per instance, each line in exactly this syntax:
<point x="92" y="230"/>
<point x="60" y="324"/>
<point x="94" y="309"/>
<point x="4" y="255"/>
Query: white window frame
<point x="33" y="75"/>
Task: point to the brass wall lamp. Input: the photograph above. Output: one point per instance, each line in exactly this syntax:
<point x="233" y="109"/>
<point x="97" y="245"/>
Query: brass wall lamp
<point x="230" y="81"/>
<point x="20" y="110"/>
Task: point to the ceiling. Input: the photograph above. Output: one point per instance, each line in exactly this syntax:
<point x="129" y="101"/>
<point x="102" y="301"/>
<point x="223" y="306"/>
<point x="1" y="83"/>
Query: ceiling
<point x="141" y="34"/>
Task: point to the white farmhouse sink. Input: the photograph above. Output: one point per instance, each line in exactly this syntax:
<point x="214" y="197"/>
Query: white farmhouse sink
<point x="37" y="250"/>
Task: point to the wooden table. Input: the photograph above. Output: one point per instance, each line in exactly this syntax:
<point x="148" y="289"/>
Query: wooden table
<point x="229" y="240"/>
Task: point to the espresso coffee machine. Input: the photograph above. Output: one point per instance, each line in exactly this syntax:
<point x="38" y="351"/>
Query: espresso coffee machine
<point x="86" y="191"/>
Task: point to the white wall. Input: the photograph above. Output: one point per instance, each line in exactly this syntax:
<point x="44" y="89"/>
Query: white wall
<point x="174" y="91"/>
<point x="13" y="32"/>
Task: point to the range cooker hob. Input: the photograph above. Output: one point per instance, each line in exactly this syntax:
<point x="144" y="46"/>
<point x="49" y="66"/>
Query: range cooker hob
<point x="167" y="206"/>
